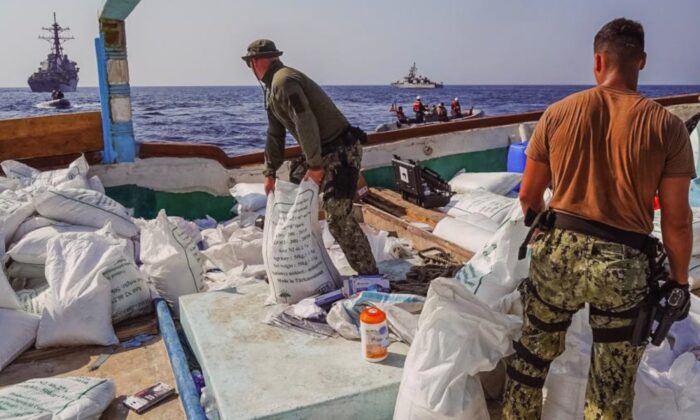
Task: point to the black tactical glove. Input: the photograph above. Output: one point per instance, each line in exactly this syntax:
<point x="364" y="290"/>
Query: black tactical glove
<point x="677" y="298"/>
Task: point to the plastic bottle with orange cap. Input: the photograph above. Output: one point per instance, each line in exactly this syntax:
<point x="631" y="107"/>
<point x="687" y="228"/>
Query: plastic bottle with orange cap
<point x="374" y="335"/>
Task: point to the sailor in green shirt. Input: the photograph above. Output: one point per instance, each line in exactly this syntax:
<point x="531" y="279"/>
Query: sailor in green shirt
<point x="332" y="148"/>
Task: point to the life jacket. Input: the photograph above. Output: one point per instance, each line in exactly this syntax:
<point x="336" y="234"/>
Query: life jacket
<point x="417" y="106"/>
<point x="455" y="105"/>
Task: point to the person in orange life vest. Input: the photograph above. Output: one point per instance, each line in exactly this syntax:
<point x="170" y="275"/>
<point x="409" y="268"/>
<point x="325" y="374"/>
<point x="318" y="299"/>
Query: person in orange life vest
<point x="456" y="108"/>
<point x="419" y="109"/>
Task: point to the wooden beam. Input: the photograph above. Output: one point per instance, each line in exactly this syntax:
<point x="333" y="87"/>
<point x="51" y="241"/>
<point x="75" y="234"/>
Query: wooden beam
<point x="56" y="135"/>
<point x="419" y="238"/>
<point x="385" y="199"/>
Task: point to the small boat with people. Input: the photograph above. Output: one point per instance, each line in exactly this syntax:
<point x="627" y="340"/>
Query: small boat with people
<point x="425" y="115"/>
<point x="57" y="101"/>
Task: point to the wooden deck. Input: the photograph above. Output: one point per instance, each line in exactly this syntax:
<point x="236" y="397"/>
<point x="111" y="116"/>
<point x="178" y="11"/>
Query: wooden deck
<point x="130" y="369"/>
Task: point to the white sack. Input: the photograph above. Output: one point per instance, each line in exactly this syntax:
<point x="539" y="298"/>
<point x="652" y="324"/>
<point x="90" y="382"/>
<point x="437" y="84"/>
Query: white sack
<point x="78" y="307"/>
<point x="171" y="260"/>
<point x="75" y="176"/>
<point x="187" y="227"/>
<point x="18" y="332"/>
<point x="8" y="184"/>
<point x="8" y="299"/>
<point x="87" y="208"/>
<point x="458" y="337"/>
<point x="31" y="249"/>
<point x="296" y="260"/>
<point x="250" y="197"/>
<point x="12" y="214"/>
<point x="494" y="206"/>
<point x="69" y="398"/>
<point x="95" y="184"/>
<point x="496" y="271"/>
<point x="496" y="182"/>
<point x="31" y="224"/>
<point x="465" y="233"/>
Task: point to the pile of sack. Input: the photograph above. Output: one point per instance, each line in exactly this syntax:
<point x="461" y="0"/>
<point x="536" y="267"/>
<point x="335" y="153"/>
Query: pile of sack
<point x="74" y="262"/>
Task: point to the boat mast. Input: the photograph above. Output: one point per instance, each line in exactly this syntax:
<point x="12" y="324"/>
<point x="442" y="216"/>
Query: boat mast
<point x="56" y="39"/>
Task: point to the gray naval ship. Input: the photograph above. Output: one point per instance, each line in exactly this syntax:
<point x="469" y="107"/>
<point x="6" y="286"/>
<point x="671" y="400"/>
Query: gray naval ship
<point x="415" y="81"/>
<point x="57" y="72"/>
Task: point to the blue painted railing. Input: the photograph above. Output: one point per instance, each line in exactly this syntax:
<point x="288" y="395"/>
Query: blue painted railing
<point x="185" y="384"/>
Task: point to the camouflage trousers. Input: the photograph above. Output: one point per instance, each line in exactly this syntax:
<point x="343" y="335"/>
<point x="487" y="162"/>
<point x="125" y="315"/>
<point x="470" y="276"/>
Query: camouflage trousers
<point x="341" y="223"/>
<point x="567" y="270"/>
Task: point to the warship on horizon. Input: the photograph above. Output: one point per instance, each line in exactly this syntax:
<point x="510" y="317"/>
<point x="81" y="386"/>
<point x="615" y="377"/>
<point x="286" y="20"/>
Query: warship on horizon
<point x="57" y="72"/>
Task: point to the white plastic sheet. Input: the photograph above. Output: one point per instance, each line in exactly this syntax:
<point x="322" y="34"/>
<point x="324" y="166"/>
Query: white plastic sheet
<point x="458" y="337"/>
<point x="296" y="260"/>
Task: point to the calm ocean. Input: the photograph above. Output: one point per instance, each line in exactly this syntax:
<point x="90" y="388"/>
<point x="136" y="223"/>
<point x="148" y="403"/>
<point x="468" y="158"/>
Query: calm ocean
<point x="233" y="117"/>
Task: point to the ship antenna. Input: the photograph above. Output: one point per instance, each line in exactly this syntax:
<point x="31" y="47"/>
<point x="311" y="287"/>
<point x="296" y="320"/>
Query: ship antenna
<point x="56" y="40"/>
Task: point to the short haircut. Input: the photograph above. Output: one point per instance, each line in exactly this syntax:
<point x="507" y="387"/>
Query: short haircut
<point x="622" y="39"/>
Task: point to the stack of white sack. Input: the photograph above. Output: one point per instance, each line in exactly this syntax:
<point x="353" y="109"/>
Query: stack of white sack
<point x="18" y="327"/>
<point x="458" y="337"/>
<point x="37" y="206"/>
<point x="251" y="201"/>
<point x="478" y="210"/>
<point x="694" y="268"/>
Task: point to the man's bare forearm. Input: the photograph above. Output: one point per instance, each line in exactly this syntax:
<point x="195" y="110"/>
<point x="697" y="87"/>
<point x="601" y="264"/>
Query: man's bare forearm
<point x="678" y="242"/>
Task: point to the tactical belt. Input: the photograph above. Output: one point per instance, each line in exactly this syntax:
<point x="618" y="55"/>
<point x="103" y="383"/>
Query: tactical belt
<point x="345" y="138"/>
<point x="638" y="241"/>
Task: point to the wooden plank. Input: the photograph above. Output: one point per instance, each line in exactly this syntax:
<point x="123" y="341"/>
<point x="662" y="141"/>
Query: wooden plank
<point x="55" y="135"/>
<point x="410" y="211"/>
<point x="125" y="331"/>
<point x="421" y="239"/>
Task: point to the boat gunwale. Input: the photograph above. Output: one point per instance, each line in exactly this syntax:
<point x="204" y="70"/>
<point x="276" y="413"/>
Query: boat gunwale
<point x="208" y="151"/>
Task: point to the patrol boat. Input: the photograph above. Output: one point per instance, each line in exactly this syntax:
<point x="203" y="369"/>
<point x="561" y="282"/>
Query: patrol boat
<point x="57" y="72"/>
<point x="413" y="80"/>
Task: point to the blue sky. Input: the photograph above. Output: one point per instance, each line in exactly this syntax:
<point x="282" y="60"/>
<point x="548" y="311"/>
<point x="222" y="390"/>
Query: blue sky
<point x="177" y="42"/>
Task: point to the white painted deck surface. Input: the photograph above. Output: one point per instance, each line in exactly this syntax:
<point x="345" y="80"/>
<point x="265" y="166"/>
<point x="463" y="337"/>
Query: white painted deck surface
<point x="259" y="371"/>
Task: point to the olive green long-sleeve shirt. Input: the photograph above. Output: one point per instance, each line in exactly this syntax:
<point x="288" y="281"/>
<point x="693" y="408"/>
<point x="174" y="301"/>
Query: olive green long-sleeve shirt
<point x="295" y="103"/>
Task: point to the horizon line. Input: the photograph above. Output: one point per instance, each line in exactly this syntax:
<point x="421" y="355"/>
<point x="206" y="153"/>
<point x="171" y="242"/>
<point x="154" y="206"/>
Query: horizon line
<point x="382" y="85"/>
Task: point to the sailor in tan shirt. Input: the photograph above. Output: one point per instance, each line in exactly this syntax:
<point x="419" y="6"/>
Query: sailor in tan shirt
<point x="606" y="152"/>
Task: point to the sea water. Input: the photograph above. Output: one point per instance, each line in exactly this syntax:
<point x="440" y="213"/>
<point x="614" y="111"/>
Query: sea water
<point x="233" y="117"/>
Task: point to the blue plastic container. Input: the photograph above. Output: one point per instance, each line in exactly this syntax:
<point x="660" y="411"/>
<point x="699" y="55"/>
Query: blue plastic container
<point x="516" y="159"/>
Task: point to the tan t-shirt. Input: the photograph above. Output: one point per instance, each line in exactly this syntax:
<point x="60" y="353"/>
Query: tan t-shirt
<point x="608" y="150"/>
